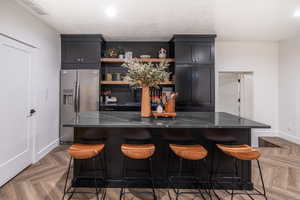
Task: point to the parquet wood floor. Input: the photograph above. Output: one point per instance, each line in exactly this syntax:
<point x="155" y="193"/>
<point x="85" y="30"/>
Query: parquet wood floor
<point x="44" y="180"/>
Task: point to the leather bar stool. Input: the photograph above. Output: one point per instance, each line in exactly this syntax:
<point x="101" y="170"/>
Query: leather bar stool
<point x="216" y="137"/>
<point x="195" y="153"/>
<point x="137" y="152"/>
<point x="175" y="136"/>
<point x="84" y="152"/>
<point x="243" y="153"/>
<point x="97" y="136"/>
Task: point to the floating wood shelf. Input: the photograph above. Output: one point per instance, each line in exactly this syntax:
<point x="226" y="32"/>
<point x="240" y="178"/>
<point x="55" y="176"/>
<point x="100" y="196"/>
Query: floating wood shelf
<point x="114" y="82"/>
<point x="127" y="83"/>
<point x="118" y="60"/>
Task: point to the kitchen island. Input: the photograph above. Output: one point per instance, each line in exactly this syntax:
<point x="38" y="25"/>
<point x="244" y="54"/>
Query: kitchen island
<point x="199" y="124"/>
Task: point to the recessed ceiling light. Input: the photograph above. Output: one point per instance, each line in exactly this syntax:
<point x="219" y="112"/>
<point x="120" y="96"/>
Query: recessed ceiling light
<point x="110" y="11"/>
<point x="297" y="13"/>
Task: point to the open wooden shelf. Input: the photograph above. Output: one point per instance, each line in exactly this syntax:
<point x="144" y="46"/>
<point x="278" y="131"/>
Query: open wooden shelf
<point x="118" y="60"/>
<point x="114" y="82"/>
<point x="127" y="83"/>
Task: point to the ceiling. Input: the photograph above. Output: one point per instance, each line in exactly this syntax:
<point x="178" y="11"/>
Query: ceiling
<point x="269" y="20"/>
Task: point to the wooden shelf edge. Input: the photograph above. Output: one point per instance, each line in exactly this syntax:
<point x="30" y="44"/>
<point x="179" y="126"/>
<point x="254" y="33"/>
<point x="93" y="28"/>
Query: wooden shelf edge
<point x="118" y="60"/>
<point x="114" y="82"/>
<point x="127" y="83"/>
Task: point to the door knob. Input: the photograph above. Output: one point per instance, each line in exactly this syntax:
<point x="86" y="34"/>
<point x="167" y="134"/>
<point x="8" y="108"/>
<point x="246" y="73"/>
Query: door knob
<point x="31" y="112"/>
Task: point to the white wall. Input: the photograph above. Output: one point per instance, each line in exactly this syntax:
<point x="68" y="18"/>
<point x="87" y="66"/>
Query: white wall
<point x="289" y="95"/>
<point x="17" y="22"/>
<point x="261" y="58"/>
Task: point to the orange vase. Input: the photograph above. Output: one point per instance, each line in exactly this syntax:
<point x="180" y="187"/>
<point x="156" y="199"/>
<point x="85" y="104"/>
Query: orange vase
<point x="145" y="104"/>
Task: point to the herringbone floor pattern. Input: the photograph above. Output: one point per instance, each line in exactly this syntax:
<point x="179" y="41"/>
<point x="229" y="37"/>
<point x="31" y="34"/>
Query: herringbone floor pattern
<point x="45" y="180"/>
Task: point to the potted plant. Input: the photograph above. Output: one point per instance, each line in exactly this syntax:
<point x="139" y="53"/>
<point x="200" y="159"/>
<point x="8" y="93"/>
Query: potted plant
<point x="145" y="75"/>
<point x="121" y="53"/>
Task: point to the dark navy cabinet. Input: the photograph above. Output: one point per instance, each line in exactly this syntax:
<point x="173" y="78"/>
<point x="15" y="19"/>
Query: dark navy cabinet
<point x="195" y="72"/>
<point x="194" y="53"/>
<point x="81" y="51"/>
<point x="183" y="84"/>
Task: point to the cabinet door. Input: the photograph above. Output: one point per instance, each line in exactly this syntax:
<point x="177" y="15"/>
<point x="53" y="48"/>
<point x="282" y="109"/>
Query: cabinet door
<point x="81" y="52"/>
<point x="183" y="52"/>
<point x="183" y="85"/>
<point x="202" y="53"/>
<point x="202" y="85"/>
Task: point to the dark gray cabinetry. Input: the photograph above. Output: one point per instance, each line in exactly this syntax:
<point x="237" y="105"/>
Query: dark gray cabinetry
<point x="194" y="49"/>
<point x="195" y="72"/>
<point x="194" y="53"/>
<point x="195" y="86"/>
<point x="81" y="51"/>
<point x="183" y="52"/>
<point x="183" y="84"/>
<point x="203" y="86"/>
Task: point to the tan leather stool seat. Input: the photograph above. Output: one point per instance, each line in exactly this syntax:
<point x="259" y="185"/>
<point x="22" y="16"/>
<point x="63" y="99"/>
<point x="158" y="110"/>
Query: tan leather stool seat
<point x="189" y="152"/>
<point x="85" y="151"/>
<point x="242" y="152"/>
<point x="138" y="151"/>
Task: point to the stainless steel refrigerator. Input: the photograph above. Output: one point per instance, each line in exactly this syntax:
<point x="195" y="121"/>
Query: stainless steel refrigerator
<point x="79" y="92"/>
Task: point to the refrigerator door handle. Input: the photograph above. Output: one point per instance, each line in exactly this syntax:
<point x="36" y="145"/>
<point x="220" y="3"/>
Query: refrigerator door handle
<point x="78" y="97"/>
<point x="75" y="97"/>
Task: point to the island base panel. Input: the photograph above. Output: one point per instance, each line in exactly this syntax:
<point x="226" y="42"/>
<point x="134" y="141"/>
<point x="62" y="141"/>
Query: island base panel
<point x="114" y="157"/>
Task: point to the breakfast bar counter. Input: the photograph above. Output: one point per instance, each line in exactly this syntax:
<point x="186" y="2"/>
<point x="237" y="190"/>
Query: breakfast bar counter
<point x="200" y="124"/>
<point x="114" y="119"/>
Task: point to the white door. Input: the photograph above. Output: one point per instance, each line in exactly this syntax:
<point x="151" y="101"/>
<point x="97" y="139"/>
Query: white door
<point x="228" y="93"/>
<point x="235" y="93"/>
<point x="247" y="95"/>
<point x="15" y="137"/>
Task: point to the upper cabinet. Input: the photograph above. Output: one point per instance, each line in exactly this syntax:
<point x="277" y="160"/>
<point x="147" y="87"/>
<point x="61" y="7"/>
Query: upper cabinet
<point x="81" y="51"/>
<point x="195" y="72"/>
<point x="183" y="52"/>
<point x="194" y="49"/>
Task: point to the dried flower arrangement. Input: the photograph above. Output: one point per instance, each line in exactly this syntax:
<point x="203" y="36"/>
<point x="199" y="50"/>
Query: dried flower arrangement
<point x="145" y="74"/>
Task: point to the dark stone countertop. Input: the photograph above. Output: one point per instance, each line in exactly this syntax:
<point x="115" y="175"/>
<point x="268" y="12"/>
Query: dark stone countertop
<point x="114" y="119"/>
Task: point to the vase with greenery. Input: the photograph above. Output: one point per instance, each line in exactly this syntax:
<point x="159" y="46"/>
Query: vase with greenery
<point x="121" y="53"/>
<point x="145" y="75"/>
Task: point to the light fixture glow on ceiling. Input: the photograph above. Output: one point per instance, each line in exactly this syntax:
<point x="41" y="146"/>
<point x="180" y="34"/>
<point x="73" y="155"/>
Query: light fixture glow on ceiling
<point x="110" y="11"/>
<point x="297" y="13"/>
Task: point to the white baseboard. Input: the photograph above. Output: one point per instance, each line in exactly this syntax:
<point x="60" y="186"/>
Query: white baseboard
<point x="289" y="137"/>
<point x="256" y="133"/>
<point x="14" y="165"/>
<point x="42" y="153"/>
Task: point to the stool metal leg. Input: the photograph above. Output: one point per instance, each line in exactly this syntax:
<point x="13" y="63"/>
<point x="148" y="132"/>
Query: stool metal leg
<point x="66" y="189"/>
<point x="234" y="173"/>
<point x="212" y="161"/>
<point x="262" y="179"/>
<point x="168" y="162"/>
<point x="66" y="182"/>
<point x="179" y="174"/>
<point x="104" y="174"/>
<point x="152" y="178"/>
<point x="95" y="178"/>
<point x="249" y="195"/>
<point x="123" y="175"/>
<point x="204" y="164"/>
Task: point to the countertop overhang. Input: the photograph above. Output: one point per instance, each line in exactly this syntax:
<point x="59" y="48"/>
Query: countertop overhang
<point x="114" y="119"/>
